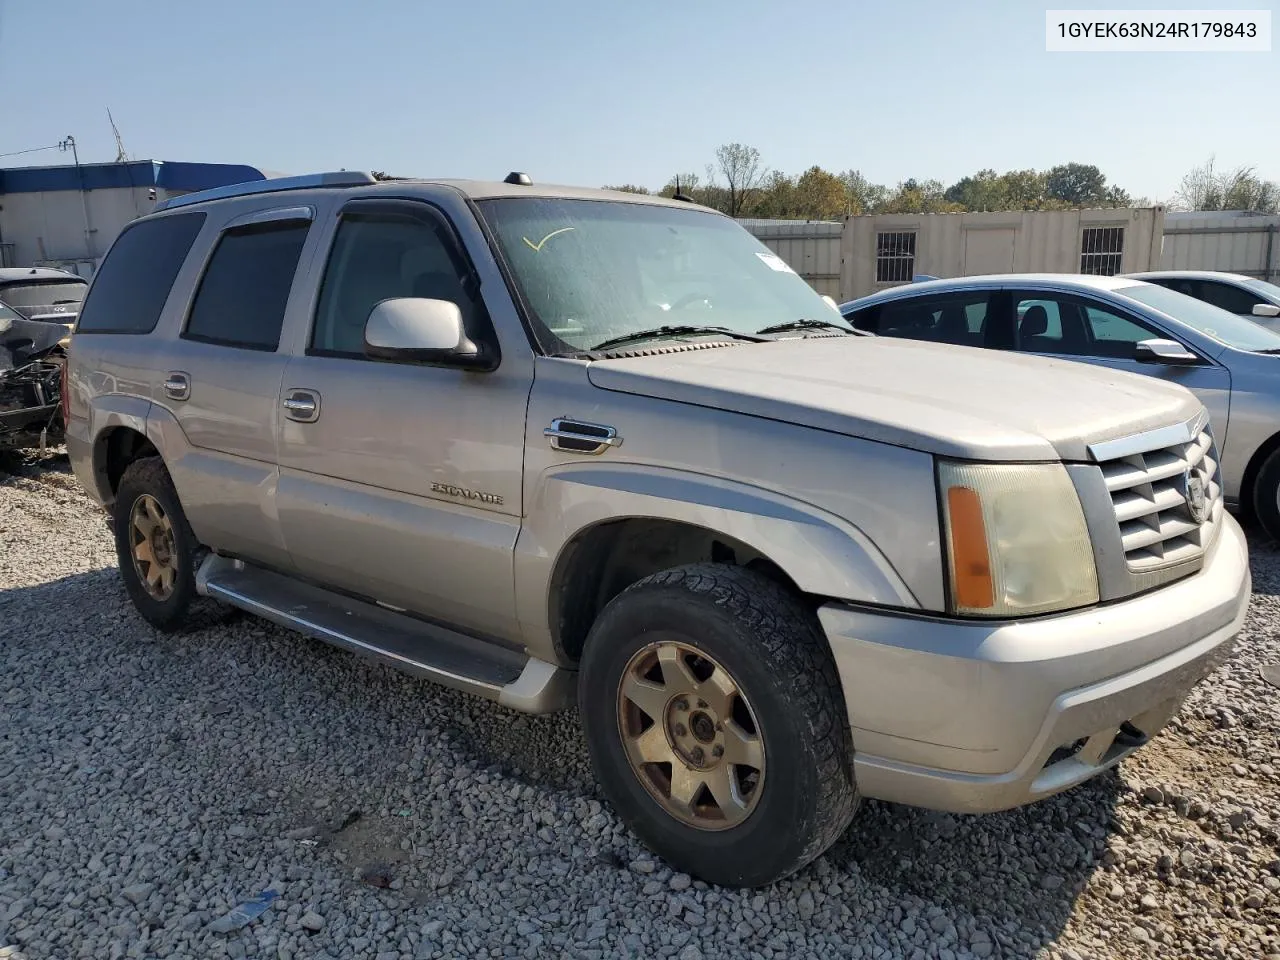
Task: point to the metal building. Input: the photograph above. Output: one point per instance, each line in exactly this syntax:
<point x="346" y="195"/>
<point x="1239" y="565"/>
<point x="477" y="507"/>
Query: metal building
<point x="875" y="251"/>
<point x="67" y="216"/>
<point x="1235" y="241"/>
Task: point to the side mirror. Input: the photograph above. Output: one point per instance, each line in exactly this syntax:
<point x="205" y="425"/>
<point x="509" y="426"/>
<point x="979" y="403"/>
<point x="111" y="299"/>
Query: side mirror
<point x="1163" y="351"/>
<point x="415" y="329"/>
<point x="1266" y="310"/>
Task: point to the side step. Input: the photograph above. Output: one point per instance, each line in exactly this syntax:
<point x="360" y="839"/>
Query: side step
<point x="423" y="649"/>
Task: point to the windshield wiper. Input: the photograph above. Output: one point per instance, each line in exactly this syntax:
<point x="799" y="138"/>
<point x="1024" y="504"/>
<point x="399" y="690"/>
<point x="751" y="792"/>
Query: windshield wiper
<point x="804" y="323"/>
<point x="675" y="331"/>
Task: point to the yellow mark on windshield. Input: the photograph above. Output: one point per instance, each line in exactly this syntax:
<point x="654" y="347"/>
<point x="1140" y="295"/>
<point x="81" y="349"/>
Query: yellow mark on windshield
<point x="538" y="246"/>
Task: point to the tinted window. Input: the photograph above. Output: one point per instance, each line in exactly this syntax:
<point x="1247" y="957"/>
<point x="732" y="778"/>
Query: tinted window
<point x="1239" y="332"/>
<point x="1070" y="326"/>
<point x="133" y="282"/>
<point x="376" y="257"/>
<point x="956" y="318"/>
<point x="1228" y="297"/>
<point x="244" y="290"/>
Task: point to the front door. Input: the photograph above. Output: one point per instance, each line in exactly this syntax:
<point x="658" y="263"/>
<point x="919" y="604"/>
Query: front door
<point x="401" y="482"/>
<point x="1081" y="328"/>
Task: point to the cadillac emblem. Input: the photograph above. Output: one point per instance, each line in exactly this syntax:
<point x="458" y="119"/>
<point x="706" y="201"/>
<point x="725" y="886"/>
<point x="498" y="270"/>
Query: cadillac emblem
<point x="1193" y="483"/>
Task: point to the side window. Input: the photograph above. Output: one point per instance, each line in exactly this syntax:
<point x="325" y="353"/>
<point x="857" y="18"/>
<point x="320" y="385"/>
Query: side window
<point x="1115" y="336"/>
<point x="133" y="282"/>
<point x="376" y="257"/>
<point x="1229" y="298"/>
<point x="955" y="318"/>
<point x="242" y="296"/>
<point x="1040" y="324"/>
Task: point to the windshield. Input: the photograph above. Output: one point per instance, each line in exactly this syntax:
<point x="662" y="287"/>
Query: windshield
<point x="1268" y="290"/>
<point x="1238" y="332"/>
<point x="42" y="294"/>
<point x="592" y="271"/>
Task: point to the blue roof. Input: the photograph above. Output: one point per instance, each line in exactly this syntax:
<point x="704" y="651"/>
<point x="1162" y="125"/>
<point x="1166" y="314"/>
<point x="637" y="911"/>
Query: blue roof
<point x="167" y="175"/>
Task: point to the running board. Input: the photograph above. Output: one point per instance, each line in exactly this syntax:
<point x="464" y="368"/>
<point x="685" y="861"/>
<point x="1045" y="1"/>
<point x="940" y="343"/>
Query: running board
<point x="413" y="646"/>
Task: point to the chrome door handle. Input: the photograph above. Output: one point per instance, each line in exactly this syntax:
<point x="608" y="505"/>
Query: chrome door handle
<point x="576" y="436"/>
<point x="177" y="386"/>
<point x="302" y="405"/>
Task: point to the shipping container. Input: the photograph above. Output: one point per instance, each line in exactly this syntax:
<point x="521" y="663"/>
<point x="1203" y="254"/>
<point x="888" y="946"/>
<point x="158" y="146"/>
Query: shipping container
<point x="810" y="247"/>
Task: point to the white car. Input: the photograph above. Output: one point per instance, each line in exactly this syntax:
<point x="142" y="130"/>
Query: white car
<point x="1250" y="297"/>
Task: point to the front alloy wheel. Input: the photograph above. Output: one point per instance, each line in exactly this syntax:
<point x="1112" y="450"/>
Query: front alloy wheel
<point x="691" y="736"/>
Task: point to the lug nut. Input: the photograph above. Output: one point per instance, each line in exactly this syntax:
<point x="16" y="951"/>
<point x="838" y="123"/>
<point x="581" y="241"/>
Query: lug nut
<point x="682" y="704"/>
<point x="698" y="755"/>
<point x="702" y="704"/>
<point x="680" y="731"/>
<point x="717" y="751"/>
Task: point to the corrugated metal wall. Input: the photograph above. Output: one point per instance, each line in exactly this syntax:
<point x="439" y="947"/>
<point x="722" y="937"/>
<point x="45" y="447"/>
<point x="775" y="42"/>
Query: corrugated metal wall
<point x="1230" y="241"/>
<point x="810" y="248"/>
<point x="840" y="259"/>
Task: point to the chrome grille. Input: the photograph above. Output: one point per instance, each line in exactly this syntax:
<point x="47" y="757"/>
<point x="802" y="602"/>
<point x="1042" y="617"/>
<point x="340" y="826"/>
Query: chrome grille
<point x="1154" y="493"/>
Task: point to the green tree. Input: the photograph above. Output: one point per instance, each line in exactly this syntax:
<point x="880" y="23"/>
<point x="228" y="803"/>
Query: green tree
<point x="820" y="195"/>
<point x="627" y="188"/>
<point x="1205" y="188"/>
<point x="1076" y="184"/>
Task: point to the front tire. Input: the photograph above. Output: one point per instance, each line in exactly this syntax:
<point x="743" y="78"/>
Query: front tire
<point x="155" y="547"/>
<point x="716" y="723"/>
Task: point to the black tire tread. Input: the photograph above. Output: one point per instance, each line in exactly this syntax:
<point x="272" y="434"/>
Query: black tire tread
<point x="791" y="639"/>
<point x="150" y="475"/>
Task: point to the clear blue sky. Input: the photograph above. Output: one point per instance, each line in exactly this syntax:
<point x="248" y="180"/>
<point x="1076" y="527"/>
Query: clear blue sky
<point x="609" y="92"/>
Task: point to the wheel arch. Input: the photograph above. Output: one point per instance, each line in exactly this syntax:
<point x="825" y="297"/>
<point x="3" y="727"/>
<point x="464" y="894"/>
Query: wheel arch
<point x="611" y="526"/>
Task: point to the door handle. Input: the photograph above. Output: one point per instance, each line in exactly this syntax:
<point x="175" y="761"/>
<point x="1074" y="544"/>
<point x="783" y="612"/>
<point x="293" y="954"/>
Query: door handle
<point x="177" y="386"/>
<point x="302" y="405"/>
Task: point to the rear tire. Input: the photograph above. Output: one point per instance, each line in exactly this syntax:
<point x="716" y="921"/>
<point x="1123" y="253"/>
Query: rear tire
<point x="676" y="641"/>
<point x="1266" y="496"/>
<point x="155" y="547"/>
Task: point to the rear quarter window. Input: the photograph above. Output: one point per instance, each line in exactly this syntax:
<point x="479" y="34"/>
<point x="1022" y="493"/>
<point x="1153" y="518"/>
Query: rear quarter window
<point x="133" y="283"/>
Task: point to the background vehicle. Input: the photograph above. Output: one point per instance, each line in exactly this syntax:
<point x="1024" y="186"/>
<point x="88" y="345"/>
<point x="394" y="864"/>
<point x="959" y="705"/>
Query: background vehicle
<point x="1119" y="323"/>
<point x="542" y="443"/>
<point x="31" y="361"/>
<point x="43" y="293"/>
<point x="1244" y="296"/>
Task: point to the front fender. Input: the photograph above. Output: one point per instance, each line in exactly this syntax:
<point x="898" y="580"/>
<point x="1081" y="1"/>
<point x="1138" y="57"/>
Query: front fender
<point x="824" y="554"/>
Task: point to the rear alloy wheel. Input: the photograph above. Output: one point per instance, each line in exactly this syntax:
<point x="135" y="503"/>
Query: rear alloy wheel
<point x="1266" y="496"/>
<point x="155" y="560"/>
<point x="716" y="723"/>
<point x="155" y="547"/>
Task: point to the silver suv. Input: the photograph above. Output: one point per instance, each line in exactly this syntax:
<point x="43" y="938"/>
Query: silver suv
<point x="550" y="445"/>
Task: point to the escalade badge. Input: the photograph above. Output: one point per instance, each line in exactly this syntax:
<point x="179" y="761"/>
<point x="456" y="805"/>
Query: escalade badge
<point x="449" y="490"/>
<point x="1194" y="486"/>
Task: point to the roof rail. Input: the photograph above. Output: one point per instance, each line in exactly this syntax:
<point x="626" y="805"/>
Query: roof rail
<point x="339" y="178"/>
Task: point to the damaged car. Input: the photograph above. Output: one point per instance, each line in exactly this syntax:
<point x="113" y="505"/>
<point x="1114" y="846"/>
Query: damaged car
<point x="31" y="362"/>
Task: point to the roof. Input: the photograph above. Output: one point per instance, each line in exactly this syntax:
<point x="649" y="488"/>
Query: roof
<point x="18" y="274"/>
<point x="473" y="189"/>
<point x="1189" y="275"/>
<point x="991" y="279"/>
<point x="164" y="174"/>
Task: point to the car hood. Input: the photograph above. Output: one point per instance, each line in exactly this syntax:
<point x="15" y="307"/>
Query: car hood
<point x="953" y="401"/>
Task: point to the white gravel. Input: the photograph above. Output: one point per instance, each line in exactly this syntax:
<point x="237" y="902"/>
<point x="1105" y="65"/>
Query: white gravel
<point x="149" y="784"/>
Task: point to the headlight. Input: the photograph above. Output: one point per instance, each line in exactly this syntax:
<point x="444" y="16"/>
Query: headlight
<point x="1017" y="543"/>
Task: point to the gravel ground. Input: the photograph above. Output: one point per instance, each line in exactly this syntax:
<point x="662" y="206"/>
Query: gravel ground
<point x="148" y="784"/>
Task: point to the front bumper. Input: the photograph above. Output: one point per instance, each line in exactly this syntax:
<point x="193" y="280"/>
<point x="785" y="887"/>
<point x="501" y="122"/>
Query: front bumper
<point x="975" y="717"/>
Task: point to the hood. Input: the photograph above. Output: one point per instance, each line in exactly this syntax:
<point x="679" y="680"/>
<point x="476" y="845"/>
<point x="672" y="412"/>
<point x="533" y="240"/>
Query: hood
<point x="964" y="402"/>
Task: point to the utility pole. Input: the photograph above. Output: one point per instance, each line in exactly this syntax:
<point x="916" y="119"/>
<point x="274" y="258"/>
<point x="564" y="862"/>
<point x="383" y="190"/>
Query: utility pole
<point x="69" y="143"/>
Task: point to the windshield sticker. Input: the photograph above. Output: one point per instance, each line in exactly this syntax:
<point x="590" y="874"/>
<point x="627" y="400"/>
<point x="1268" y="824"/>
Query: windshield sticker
<point x="536" y="248"/>
<point x="775" y="262"/>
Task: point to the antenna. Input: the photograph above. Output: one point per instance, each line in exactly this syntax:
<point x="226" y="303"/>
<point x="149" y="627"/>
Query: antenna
<point x="121" y="156"/>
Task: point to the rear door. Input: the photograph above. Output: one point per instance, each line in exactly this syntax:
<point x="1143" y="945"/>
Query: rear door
<point x="221" y="380"/>
<point x="1082" y="328"/>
